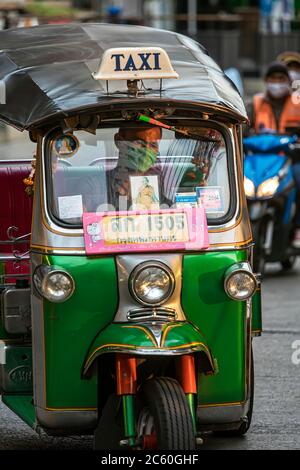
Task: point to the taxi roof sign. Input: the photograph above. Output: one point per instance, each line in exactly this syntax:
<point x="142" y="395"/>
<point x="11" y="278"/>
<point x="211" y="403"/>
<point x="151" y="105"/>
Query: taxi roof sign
<point x="135" y="63"/>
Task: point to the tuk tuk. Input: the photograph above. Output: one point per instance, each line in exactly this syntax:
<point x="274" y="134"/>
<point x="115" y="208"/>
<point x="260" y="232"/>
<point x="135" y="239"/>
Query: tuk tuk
<point x="128" y="299"/>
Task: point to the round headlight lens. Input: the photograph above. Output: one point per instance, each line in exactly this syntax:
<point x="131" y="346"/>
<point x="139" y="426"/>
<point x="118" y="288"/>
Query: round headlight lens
<point x="249" y="187"/>
<point x="240" y="285"/>
<point x="268" y="187"/>
<point x="152" y="284"/>
<point x="57" y="286"/>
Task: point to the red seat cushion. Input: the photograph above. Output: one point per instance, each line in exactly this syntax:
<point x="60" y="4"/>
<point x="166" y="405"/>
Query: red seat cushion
<point x="15" y="210"/>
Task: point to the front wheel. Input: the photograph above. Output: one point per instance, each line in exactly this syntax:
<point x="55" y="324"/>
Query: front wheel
<point x="288" y="263"/>
<point x="165" y="419"/>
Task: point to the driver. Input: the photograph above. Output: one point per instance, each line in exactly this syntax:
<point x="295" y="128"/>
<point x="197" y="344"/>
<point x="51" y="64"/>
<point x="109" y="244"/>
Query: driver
<point x="138" y="152"/>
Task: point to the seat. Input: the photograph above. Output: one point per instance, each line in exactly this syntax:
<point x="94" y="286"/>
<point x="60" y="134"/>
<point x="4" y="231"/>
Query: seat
<point x="15" y="211"/>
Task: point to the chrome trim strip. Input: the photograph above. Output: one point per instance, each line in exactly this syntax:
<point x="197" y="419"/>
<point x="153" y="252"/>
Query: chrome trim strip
<point x="220" y="414"/>
<point x="3" y="347"/>
<point x="13" y="258"/>
<point x="38" y="343"/>
<point x="52" y="225"/>
<point x="16" y="162"/>
<point x="56" y="251"/>
<point x="248" y="347"/>
<point x="139" y="351"/>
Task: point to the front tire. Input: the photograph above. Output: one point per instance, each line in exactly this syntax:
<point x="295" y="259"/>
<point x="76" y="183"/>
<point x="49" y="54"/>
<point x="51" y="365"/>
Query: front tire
<point x="259" y="255"/>
<point x="165" y="413"/>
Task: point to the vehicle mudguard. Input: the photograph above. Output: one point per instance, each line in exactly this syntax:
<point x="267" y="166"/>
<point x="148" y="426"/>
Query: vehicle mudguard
<point x="168" y="339"/>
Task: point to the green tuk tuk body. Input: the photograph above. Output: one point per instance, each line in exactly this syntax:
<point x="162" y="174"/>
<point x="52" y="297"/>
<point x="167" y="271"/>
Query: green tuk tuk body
<point x="64" y="373"/>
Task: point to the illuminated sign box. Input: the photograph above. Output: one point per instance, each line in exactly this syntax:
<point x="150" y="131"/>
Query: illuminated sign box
<point x="135" y="63"/>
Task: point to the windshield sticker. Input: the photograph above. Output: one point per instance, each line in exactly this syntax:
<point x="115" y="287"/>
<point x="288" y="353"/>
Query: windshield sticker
<point x="170" y="229"/>
<point x="210" y="198"/>
<point x="66" y="145"/>
<point x="186" y="200"/>
<point x="144" y="192"/>
<point x="70" y="207"/>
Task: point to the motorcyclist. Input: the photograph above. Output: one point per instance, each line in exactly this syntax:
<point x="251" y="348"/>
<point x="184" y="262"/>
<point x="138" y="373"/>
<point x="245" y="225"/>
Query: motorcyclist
<point x="274" y="111"/>
<point x="292" y="61"/>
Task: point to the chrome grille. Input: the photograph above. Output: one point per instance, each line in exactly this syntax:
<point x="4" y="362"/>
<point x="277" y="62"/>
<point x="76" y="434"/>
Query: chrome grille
<point x="152" y="314"/>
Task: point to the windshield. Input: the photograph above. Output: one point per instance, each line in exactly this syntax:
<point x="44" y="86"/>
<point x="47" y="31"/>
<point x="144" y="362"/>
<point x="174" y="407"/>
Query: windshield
<point x="137" y="168"/>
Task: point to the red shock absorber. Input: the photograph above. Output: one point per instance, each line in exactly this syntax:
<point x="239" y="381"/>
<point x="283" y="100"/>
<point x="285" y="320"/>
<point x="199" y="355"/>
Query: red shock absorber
<point x="126" y="388"/>
<point x="126" y="374"/>
<point x="187" y="373"/>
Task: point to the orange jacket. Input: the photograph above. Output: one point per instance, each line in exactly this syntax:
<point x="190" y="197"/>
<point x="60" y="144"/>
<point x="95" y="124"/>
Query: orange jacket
<point x="264" y="115"/>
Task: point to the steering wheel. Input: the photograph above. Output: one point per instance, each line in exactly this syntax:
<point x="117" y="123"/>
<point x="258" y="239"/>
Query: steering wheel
<point x="95" y="161"/>
<point x="65" y="162"/>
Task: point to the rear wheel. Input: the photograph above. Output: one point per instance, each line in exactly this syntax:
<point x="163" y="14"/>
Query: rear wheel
<point x="164" y="420"/>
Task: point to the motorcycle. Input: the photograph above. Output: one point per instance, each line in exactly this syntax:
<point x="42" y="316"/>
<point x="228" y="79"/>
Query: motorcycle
<point x="271" y="194"/>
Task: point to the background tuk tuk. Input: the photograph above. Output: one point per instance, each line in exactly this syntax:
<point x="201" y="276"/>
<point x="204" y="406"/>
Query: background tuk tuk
<point x="149" y="339"/>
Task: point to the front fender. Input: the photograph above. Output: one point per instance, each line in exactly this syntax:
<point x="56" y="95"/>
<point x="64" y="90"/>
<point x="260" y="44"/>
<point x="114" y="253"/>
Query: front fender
<point x="169" y="339"/>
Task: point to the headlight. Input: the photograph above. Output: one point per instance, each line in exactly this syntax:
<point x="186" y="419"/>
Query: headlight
<point x="152" y="283"/>
<point x="268" y="187"/>
<point x="249" y="187"/>
<point x="53" y="283"/>
<point x="240" y="283"/>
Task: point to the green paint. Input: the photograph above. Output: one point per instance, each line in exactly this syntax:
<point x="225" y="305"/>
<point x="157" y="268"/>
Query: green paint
<point x="135" y="337"/>
<point x="129" y="418"/>
<point x="256" y="312"/>
<point x="191" y="402"/>
<point x="144" y="118"/>
<point x="76" y="328"/>
<point x="180" y="334"/>
<point x="71" y="326"/>
<point x="220" y="319"/>
<point x="16" y="373"/>
<point x="22" y="406"/>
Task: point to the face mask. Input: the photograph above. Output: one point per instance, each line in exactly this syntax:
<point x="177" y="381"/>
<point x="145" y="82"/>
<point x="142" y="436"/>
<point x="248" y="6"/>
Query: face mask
<point x="278" y="90"/>
<point x="294" y="75"/>
<point x="140" y="158"/>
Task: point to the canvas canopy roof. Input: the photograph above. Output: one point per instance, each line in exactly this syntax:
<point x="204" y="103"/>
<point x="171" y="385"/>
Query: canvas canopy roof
<point x="46" y="71"/>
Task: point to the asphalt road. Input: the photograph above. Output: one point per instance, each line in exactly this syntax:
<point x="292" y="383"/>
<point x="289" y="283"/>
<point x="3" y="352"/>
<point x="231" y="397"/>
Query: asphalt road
<point x="276" y="418"/>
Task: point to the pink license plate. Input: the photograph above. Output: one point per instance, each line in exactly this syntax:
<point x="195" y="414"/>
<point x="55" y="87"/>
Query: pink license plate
<point x="140" y="231"/>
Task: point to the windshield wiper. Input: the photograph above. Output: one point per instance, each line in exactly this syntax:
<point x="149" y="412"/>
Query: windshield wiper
<point x="185" y="132"/>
